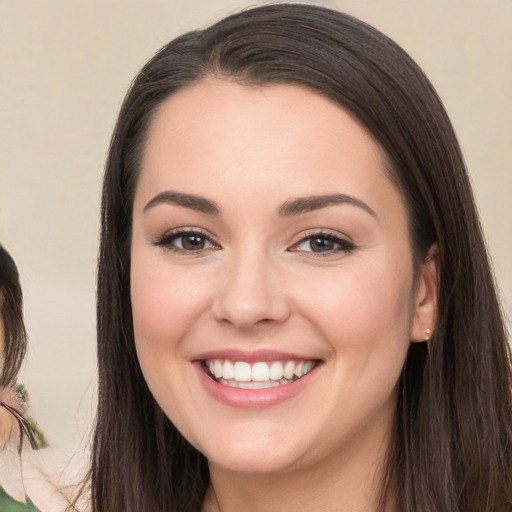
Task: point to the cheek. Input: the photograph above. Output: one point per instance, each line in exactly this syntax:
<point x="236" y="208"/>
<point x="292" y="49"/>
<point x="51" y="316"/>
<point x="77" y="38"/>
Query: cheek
<point x="165" y="304"/>
<point x="365" y="314"/>
<point x="365" y="318"/>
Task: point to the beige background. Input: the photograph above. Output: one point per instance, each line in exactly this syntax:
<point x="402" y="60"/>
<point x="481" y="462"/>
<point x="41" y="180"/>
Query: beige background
<point x="64" y="68"/>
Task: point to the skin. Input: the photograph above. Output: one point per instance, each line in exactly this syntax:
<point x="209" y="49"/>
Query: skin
<point x="257" y="284"/>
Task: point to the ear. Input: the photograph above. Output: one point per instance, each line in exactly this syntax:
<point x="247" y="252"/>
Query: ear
<point x="425" y="300"/>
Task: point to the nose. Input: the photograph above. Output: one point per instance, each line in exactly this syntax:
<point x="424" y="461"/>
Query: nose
<point x="251" y="296"/>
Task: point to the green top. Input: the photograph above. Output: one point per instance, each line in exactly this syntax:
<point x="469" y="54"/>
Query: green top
<point x="28" y="429"/>
<point x="7" y="504"/>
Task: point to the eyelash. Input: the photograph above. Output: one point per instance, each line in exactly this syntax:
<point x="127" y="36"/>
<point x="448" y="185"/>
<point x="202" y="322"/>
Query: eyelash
<point x="343" y="245"/>
<point x="168" y="239"/>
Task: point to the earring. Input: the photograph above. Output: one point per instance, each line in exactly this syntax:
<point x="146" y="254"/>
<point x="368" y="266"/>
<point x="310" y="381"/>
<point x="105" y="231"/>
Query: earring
<point x="427" y="335"/>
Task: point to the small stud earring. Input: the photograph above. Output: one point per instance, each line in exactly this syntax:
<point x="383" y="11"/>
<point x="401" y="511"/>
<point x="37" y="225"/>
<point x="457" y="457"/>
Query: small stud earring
<point x="427" y="334"/>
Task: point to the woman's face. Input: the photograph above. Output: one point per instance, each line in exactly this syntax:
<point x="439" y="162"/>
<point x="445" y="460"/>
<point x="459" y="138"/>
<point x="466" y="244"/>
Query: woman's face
<point x="269" y="244"/>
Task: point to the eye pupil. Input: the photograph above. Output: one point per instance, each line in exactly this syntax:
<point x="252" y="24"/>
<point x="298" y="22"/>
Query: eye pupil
<point x="321" y="244"/>
<point x="193" y="242"/>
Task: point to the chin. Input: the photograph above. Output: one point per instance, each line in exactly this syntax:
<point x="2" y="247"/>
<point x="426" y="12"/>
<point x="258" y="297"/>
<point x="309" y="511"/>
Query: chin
<point x="255" y="454"/>
<point x="257" y="462"/>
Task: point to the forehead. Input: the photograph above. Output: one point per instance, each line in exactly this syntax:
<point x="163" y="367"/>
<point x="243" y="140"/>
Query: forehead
<point x="247" y="141"/>
<point x="218" y="106"/>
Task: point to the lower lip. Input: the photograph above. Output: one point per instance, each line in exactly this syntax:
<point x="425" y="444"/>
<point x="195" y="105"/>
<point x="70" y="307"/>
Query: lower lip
<point x="253" y="398"/>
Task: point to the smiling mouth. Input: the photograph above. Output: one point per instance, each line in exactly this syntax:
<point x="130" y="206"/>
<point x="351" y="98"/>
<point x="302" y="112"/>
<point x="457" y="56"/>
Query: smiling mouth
<point x="260" y="375"/>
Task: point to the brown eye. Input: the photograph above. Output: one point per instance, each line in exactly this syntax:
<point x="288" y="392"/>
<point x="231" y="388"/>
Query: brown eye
<point x="318" y="244"/>
<point x="323" y="243"/>
<point x="186" y="241"/>
<point x="192" y="242"/>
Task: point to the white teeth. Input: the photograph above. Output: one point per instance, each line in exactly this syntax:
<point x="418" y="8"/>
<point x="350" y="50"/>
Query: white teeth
<point x="242" y="372"/>
<point x="260" y="372"/>
<point x="218" y="369"/>
<point x="267" y="374"/>
<point x="289" y="370"/>
<point x="253" y="385"/>
<point x="276" y="371"/>
<point x="307" y="367"/>
<point x="229" y="370"/>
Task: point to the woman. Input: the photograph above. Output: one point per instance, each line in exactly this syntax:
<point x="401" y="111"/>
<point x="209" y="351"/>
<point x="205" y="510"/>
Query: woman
<point x="16" y="430"/>
<point x="12" y="328"/>
<point x="295" y="304"/>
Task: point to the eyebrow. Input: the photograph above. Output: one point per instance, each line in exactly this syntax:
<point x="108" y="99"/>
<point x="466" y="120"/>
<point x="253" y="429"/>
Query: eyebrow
<point x="296" y="206"/>
<point x="311" y="203"/>
<point x="197" y="203"/>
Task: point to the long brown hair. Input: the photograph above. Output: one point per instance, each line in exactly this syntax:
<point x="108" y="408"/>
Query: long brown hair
<point x="453" y="437"/>
<point x="11" y="315"/>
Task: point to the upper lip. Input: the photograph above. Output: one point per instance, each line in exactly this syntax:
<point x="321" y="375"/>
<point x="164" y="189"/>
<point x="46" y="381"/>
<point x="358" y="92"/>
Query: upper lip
<point x="252" y="356"/>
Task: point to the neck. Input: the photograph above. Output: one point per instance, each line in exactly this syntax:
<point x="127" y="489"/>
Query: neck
<point x="347" y="481"/>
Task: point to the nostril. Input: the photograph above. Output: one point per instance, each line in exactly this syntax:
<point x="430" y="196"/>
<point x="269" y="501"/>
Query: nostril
<point x="249" y="297"/>
<point x="248" y="323"/>
<point x="265" y="321"/>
